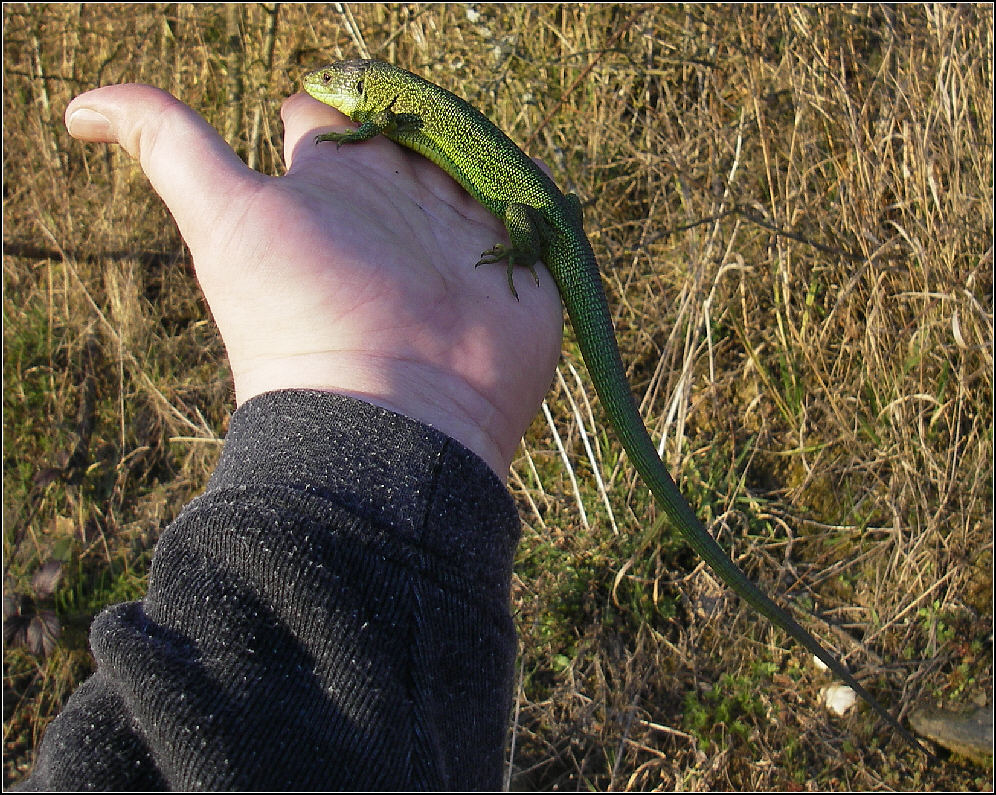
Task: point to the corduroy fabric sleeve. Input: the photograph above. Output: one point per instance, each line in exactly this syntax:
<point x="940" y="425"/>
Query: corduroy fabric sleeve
<point x="332" y="613"/>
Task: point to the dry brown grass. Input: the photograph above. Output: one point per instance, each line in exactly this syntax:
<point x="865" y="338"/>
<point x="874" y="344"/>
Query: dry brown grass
<point x="793" y="211"/>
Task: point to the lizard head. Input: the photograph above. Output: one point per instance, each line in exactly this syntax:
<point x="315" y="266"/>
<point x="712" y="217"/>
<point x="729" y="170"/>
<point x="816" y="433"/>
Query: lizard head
<point x="340" y="84"/>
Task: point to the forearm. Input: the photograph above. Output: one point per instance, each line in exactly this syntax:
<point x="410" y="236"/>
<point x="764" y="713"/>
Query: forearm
<point x="331" y="613"/>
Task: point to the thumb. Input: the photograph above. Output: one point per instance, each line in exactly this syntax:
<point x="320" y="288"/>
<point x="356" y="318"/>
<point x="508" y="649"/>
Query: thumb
<point x="188" y="163"/>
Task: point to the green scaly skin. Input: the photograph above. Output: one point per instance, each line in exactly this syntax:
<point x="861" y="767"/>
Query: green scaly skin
<point x="543" y="224"/>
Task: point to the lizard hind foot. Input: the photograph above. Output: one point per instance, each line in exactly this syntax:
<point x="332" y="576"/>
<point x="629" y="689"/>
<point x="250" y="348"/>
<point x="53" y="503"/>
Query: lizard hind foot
<point x="493" y="255"/>
<point x="514" y="257"/>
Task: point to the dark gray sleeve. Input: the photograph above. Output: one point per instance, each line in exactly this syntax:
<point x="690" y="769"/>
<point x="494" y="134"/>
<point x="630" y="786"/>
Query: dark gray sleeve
<point x="332" y="613"/>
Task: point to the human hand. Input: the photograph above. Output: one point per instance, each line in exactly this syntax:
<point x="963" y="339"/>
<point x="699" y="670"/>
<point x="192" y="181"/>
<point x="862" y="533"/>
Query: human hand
<point x="352" y="273"/>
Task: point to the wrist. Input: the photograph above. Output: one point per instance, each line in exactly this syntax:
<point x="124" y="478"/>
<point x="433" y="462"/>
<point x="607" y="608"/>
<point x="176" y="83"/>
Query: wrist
<point x="440" y="400"/>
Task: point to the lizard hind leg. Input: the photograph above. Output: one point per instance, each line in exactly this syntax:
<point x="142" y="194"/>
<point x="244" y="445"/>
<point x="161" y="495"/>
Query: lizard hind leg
<point x="529" y="233"/>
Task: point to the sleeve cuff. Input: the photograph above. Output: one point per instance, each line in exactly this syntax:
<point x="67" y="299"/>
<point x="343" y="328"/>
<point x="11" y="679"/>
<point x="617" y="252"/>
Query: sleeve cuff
<point x="390" y="470"/>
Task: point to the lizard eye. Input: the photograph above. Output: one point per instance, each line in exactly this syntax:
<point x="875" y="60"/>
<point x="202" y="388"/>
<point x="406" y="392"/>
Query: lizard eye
<point x="326" y="77"/>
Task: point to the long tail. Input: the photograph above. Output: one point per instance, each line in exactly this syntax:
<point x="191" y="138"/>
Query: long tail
<point x="584" y="298"/>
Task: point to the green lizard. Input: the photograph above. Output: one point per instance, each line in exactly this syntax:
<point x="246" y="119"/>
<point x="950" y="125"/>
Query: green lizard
<point x="543" y="225"/>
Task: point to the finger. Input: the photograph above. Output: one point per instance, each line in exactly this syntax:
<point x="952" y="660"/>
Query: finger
<point x="542" y="164"/>
<point x="305" y="117"/>
<point x="186" y="160"/>
<point x="302" y="116"/>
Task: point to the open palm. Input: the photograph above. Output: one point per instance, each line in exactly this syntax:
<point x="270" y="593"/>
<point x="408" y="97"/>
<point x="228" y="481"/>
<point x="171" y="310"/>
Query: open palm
<point x="352" y="273"/>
